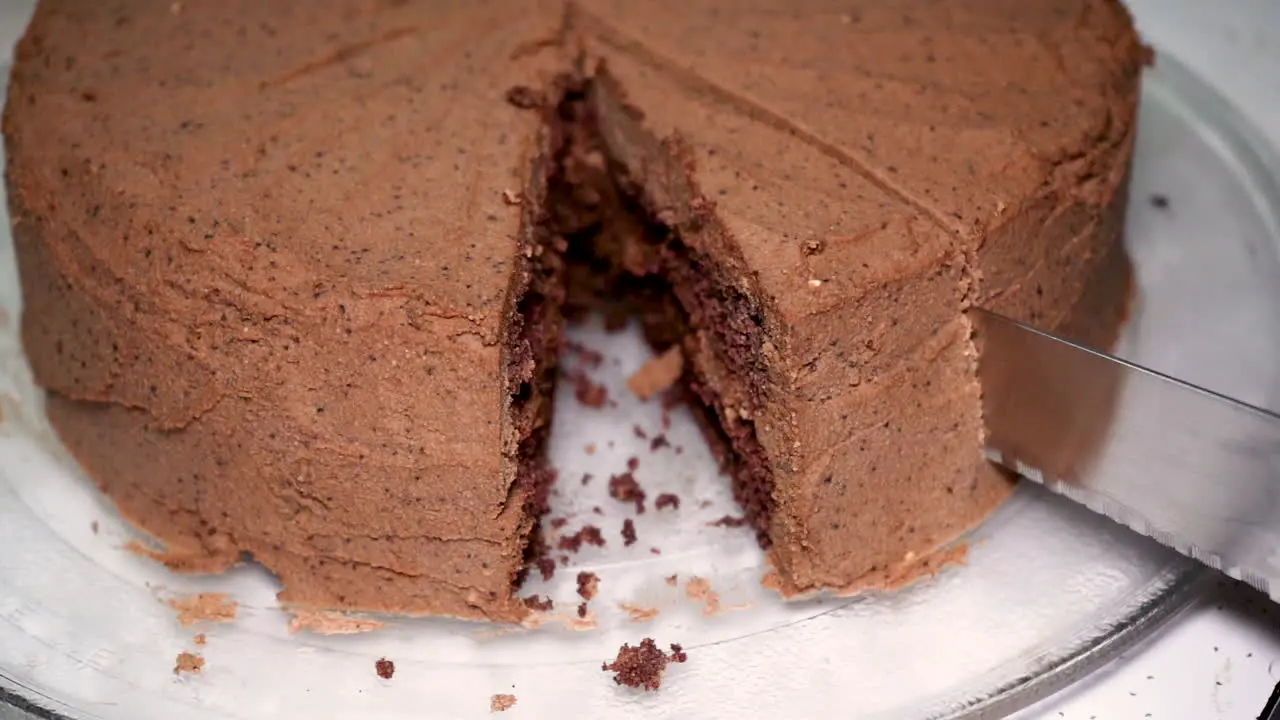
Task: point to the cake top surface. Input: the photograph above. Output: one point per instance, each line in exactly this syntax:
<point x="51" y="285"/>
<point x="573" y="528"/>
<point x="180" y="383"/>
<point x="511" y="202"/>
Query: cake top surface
<point x="293" y="147"/>
<point x="332" y="141"/>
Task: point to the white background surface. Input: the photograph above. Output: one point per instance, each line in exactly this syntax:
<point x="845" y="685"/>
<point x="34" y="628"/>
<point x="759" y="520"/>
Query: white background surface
<point x="1221" y="658"/>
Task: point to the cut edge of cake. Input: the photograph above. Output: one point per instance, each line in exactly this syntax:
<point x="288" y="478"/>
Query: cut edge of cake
<point x="594" y="236"/>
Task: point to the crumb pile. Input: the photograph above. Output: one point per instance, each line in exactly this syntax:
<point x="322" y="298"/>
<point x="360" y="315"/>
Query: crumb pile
<point x="642" y="666"/>
<point x="188" y="662"/>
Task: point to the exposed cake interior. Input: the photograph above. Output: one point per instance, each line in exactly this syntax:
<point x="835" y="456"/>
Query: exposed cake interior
<point x="600" y="246"/>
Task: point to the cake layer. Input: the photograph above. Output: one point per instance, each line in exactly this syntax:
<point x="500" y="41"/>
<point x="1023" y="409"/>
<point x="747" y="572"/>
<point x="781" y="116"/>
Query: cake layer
<point x="293" y="274"/>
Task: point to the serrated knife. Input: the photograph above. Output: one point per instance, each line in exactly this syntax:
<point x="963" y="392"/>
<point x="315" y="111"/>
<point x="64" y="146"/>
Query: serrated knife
<point x="1193" y="469"/>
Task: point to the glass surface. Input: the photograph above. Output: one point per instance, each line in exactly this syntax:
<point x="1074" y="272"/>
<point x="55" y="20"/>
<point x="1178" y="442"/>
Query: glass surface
<point x="1047" y="593"/>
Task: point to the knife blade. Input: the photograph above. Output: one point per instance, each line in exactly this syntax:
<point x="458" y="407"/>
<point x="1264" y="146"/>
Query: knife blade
<point x="1191" y="468"/>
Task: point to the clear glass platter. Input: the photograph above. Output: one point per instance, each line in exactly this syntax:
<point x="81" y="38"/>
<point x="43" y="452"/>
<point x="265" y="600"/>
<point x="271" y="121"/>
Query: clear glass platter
<point x="1047" y="592"/>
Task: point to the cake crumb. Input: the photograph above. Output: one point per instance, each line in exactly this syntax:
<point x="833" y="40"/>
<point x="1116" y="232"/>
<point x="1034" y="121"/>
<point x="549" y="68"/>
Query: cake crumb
<point x="596" y="509"/>
<point x="582" y="610"/>
<point x="728" y="521"/>
<point x="385" y="668"/>
<point x="628" y="533"/>
<point x="633" y="463"/>
<point x="586" y="478"/>
<point x="639" y="432"/>
<point x="624" y="488"/>
<point x="639" y="613"/>
<point x="501" y="702"/>
<point x="588" y="392"/>
<point x="589" y="534"/>
<point x="547" y="567"/>
<point x="667" y="500"/>
<point x="659" y="441"/>
<point x="699" y="589"/>
<point x="188" y="662"/>
<point x="588" y="584"/>
<point x="330" y="622"/>
<point x="539" y="603"/>
<point x="1160" y="202"/>
<point x="657" y="374"/>
<point x="590" y="449"/>
<point x="94" y="527"/>
<point x="199" y="639"/>
<point x="642" y="666"/>
<point x="655" y="551"/>
<point x="672" y="580"/>
<point x="203" y="607"/>
<point x="557" y="523"/>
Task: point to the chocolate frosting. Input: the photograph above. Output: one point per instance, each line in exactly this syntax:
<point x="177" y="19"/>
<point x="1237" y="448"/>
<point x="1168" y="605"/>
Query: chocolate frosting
<point x="270" y="260"/>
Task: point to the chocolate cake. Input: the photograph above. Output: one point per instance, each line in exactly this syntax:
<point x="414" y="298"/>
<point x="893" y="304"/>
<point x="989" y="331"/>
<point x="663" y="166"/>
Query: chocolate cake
<point x="295" y="274"/>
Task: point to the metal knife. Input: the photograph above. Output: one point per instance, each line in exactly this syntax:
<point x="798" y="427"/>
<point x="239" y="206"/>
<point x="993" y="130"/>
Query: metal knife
<point x="1196" y="470"/>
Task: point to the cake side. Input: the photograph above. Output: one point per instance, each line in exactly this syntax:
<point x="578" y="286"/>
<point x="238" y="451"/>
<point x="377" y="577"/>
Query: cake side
<point x="866" y="222"/>
<point x="243" y="339"/>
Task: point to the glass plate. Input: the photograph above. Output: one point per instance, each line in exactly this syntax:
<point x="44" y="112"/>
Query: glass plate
<point x="1048" y="591"/>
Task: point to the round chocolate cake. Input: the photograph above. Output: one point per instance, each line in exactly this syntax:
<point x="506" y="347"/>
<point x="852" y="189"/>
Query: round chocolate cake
<point x="295" y="274"/>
